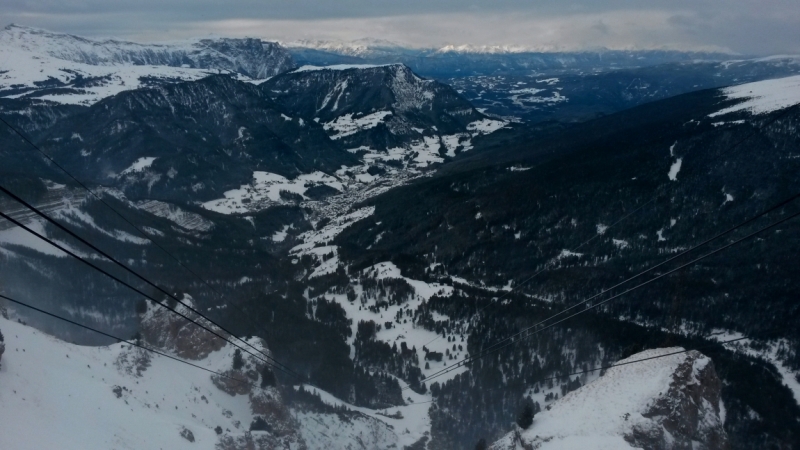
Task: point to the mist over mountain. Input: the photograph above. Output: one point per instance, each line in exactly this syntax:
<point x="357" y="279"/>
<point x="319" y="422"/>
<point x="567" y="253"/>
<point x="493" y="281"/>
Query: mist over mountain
<point x="390" y="231"/>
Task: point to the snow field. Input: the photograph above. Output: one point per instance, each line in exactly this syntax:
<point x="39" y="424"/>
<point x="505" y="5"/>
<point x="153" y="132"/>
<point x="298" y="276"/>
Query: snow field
<point x="410" y="428"/>
<point x="264" y="191"/>
<point x="59" y="395"/>
<point x="347" y="125"/>
<point x="486" y="126"/>
<point x="29" y="67"/>
<point x="762" y="97"/>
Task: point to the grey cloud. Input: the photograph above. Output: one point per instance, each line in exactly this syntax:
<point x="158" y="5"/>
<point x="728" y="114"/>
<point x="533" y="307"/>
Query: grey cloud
<point x="601" y="27"/>
<point x="743" y="26"/>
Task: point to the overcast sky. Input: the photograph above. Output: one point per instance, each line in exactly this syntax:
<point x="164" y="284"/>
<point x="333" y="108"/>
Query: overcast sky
<point x="740" y="26"/>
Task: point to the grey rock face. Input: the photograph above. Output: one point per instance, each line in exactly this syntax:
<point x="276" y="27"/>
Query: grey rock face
<point x="688" y="415"/>
<point x="648" y="402"/>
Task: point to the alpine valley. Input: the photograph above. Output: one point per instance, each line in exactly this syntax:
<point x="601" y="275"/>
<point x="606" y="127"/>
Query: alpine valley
<point x="390" y="231"/>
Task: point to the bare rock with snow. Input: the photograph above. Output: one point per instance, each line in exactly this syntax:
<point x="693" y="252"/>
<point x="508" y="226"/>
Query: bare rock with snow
<point x="168" y="331"/>
<point x="671" y="402"/>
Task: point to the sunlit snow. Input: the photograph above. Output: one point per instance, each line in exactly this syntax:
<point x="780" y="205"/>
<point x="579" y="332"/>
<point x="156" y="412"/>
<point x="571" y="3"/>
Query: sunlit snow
<point x="763" y="97"/>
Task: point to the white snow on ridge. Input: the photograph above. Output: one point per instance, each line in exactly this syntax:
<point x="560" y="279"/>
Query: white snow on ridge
<point x="674" y="169"/>
<point x="549" y="81"/>
<point x="763" y="97"/>
<point x="486" y="126"/>
<point x="346" y="125"/>
<point x="23" y="68"/>
<point x="139" y="165"/>
<point x="29" y="56"/>
<point x="566" y="253"/>
<point x="531" y="91"/>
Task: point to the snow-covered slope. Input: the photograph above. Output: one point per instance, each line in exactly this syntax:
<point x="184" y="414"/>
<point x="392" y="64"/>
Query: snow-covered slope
<point x="669" y="402"/>
<point x="762" y="97"/>
<point x="59" y="395"/>
<point x="70" y="69"/>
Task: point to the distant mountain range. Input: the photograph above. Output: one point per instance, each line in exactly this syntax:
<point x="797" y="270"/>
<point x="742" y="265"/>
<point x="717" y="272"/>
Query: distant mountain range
<point x="70" y="69"/>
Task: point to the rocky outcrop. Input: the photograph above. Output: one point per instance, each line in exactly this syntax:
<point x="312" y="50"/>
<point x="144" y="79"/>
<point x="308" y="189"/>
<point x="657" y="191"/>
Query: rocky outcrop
<point x="273" y="425"/>
<point x="166" y="330"/>
<point x="688" y="413"/>
<point x="671" y="402"/>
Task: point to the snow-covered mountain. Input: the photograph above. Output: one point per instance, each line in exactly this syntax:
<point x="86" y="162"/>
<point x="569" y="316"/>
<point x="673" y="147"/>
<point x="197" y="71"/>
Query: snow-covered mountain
<point x="670" y="402"/>
<point x="360" y="48"/>
<point x="63" y="68"/>
<point x="381" y="107"/>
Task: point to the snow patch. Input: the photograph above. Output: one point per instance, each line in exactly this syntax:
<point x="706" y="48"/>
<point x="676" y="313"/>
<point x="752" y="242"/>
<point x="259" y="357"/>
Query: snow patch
<point x="347" y="125"/>
<point x="265" y="190"/>
<point x="486" y="126"/>
<point x="280" y="235"/>
<point x="674" y="169"/>
<point x="139" y="165"/>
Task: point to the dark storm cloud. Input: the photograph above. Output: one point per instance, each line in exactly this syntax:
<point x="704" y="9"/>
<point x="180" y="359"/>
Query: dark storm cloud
<point x="744" y="26"/>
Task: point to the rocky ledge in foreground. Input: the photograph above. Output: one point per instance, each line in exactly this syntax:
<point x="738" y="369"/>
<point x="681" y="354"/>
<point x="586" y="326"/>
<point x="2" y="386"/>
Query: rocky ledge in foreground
<point x="670" y="403"/>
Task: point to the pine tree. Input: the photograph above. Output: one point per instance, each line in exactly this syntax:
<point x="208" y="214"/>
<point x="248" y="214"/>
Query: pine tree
<point x="525" y="418"/>
<point x="238" y="362"/>
<point x="2" y="339"/>
<point x="267" y="378"/>
<point x="481" y="445"/>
